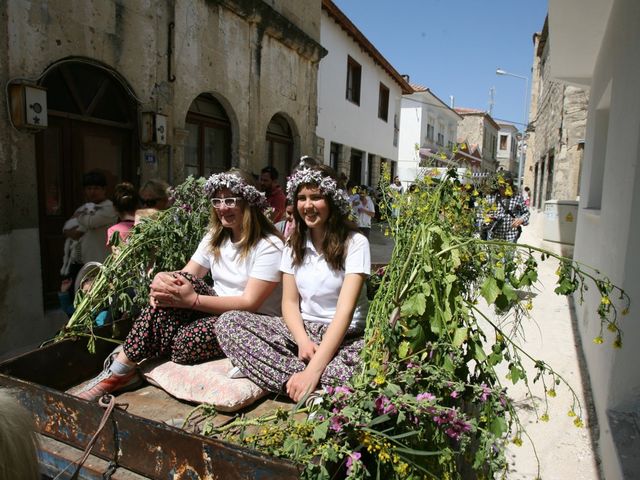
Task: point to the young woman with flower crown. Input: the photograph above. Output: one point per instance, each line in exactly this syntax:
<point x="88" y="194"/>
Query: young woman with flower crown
<point x="242" y="250"/>
<point x="324" y="304"/>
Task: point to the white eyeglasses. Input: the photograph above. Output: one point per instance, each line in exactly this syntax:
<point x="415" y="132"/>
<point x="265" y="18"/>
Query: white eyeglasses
<point x="227" y="202"/>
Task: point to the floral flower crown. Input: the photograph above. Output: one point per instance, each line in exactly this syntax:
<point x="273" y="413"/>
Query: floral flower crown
<point x="327" y="185"/>
<point x="238" y="186"/>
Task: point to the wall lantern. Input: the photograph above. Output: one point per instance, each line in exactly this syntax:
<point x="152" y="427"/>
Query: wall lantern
<point x="154" y="128"/>
<point x="28" y="106"/>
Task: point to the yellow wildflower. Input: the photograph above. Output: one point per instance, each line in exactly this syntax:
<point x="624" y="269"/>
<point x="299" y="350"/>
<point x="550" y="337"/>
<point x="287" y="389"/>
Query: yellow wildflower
<point x="551" y="393"/>
<point x="379" y="380"/>
<point x="544" y="417"/>
<point x="617" y="344"/>
<point x="578" y="422"/>
<point x="529" y="305"/>
<point x="517" y="441"/>
<point x="401" y="468"/>
<point x="612" y="327"/>
<point x="598" y="340"/>
<point x="571" y="413"/>
<point x="605" y="300"/>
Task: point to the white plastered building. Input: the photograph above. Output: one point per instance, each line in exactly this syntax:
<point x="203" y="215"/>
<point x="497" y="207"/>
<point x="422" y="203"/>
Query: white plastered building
<point x="359" y="95"/>
<point x="595" y="45"/>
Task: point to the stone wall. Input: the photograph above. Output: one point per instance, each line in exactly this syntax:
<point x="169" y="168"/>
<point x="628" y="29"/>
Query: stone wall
<point x="256" y="58"/>
<point x="558" y="119"/>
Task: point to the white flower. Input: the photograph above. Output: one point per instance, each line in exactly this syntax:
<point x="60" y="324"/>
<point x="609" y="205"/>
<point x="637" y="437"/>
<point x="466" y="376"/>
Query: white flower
<point x="237" y="186"/>
<point x="327" y="186"/>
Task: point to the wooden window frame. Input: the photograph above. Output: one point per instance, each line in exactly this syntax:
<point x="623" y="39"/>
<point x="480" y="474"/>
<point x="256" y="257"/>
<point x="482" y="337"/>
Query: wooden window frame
<point x="383" y="102"/>
<point x="203" y="121"/>
<point x="354" y="81"/>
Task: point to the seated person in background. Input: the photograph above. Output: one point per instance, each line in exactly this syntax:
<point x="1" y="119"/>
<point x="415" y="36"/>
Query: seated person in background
<point x="242" y="250"/>
<point x="275" y="196"/>
<point x="125" y="202"/>
<point x="154" y="193"/>
<point x="324" y="303"/>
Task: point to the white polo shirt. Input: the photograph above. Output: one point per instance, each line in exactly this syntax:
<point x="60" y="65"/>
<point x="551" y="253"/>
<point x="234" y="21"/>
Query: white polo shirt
<point x="319" y="286"/>
<point x="231" y="273"/>
<point x="364" y="220"/>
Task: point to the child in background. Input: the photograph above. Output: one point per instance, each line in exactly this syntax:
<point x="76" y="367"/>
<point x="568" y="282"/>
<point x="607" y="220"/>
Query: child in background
<point x="125" y="202"/>
<point x="84" y="281"/>
<point x="286" y="226"/>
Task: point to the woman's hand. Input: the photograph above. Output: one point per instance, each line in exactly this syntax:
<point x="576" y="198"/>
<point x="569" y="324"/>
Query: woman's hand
<point x="517" y="222"/>
<point x="306" y="349"/>
<point x="164" y="289"/>
<point x="302" y="383"/>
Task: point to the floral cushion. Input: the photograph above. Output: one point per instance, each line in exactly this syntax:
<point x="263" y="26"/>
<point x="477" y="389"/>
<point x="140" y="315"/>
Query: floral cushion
<point x="203" y="383"/>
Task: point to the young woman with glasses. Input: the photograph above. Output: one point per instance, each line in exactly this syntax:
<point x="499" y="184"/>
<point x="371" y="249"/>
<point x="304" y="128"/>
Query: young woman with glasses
<point x="241" y="250"/>
<point x="324" y="303"/>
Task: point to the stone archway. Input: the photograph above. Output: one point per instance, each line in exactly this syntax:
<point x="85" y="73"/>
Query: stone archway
<point x="280" y="144"/>
<point x="92" y="126"/>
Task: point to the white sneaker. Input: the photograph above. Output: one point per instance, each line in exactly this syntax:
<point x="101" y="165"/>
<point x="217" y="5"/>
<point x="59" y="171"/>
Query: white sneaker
<point x="235" y="372"/>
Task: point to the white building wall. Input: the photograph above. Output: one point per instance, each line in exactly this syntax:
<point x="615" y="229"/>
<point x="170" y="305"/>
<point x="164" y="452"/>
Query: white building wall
<point x="418" y="110"/>
<point x="412" y="125"/>
<point x="344" y="122"/>
<point x="608" y="229"/>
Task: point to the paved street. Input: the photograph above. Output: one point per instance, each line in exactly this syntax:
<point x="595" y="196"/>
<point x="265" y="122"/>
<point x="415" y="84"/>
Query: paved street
<point x="564" y="451"/>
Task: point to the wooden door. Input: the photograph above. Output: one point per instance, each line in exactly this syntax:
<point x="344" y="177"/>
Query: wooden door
<point x="65" y="151"/>
<point x="92" y="126"/>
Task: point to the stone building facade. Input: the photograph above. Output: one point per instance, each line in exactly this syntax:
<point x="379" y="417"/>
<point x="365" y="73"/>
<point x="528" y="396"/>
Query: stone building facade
<point x="479" y="129"/>
<point x="556" y="131"/>
<point x="139" y="90"/>
<point x="508" y="139"/>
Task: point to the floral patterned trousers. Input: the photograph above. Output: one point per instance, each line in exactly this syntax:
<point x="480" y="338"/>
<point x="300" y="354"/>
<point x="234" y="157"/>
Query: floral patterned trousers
<point x="185" y="336"/>
<point x="264" y="350"/>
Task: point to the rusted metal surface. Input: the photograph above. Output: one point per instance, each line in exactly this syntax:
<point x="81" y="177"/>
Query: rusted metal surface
<point x="58" y="459"/>
<point x="147" y="447"/>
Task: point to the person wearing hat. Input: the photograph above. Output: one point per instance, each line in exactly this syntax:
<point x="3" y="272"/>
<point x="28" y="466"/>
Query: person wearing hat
<point x="503" y="212"/>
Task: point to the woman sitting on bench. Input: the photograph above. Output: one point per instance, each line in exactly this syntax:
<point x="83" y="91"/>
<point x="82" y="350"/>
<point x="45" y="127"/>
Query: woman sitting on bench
<point x="242" y="250"/>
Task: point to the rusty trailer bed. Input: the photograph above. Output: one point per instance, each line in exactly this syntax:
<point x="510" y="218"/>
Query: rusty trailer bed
<point x="141" y="436"/>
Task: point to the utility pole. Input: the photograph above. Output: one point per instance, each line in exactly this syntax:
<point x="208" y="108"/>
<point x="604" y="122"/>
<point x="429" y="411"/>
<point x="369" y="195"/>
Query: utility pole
<point x="492" y="93"/>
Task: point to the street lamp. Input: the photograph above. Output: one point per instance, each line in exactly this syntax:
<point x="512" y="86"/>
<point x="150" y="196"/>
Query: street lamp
<point x="500" y="71"/>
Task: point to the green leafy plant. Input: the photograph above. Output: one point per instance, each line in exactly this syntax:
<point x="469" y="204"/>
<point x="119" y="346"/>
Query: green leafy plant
<point x="429" y="401"/>
<point x="163" y="242"/>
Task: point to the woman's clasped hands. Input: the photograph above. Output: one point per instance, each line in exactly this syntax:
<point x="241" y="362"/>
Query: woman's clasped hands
<point x="171" y="290"/>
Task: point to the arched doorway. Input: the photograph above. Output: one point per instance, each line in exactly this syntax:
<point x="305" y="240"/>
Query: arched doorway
<point x="280" y="146"/>
<point x="207" y="149"/>
<point x="92" y="126"/>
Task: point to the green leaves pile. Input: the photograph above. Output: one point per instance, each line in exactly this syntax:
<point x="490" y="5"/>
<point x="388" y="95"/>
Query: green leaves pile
<point x="429" y="402"/>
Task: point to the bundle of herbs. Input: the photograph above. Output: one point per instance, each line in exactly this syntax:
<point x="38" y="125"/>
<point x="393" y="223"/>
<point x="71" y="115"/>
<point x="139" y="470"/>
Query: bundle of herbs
<point x="429" y="402"/>
<point x="161" y="242"/>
